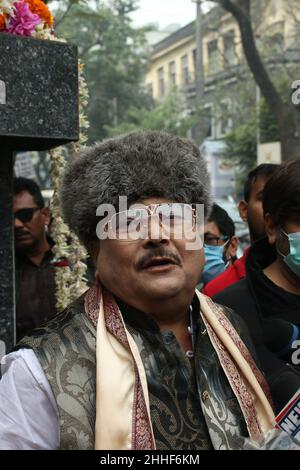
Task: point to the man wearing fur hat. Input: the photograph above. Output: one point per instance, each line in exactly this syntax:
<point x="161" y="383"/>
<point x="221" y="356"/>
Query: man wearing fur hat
<point x="141" y="361"/>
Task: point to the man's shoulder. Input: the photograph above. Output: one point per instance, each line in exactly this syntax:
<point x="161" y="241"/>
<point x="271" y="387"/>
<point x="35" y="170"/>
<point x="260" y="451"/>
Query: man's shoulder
<point x="238" y="291"/>
<point x="220" y="282"/>
<point x="70" y="315"/>
<point x="240" y="299"/>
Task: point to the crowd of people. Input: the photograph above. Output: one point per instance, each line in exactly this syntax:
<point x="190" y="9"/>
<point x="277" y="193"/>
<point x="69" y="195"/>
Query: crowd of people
<point x="170" y="347"/>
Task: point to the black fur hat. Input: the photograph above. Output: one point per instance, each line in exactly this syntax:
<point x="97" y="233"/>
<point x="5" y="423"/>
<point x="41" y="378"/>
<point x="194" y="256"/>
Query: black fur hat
<point x="138" y="165"/>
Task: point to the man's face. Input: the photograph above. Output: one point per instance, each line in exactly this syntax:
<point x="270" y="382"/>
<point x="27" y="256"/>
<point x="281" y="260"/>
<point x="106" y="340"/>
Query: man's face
<point x="252" y="212"/>
<point x="213" y="237"/>
<point x="29" y="233"/>
<point x="145" y="271"/>
<point x="278" y="236"/>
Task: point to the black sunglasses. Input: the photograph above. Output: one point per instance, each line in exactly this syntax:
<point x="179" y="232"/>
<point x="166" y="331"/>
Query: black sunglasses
<point x="25" y="215"/>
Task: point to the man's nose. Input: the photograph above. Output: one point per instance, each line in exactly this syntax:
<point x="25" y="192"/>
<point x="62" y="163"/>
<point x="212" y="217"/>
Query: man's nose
<point x="157" y="233"/>
<point x="18" y="223"/>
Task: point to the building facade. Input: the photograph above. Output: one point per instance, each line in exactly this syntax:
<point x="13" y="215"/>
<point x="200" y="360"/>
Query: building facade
<point x="173" y="60"/>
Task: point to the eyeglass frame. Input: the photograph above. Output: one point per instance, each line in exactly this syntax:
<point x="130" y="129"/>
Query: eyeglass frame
<point x="151" y="210"/>
<point x="224" y="238"/>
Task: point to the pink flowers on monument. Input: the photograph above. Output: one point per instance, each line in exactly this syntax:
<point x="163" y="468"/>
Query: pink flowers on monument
<point x="23" y="22"/>
<point x="26" y="18"/>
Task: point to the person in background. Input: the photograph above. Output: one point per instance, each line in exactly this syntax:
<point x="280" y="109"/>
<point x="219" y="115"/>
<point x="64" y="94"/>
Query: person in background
<point x="35" y="283"/>
<point x="35" y="263"/>
<point x="268" y="298"/>
<point x="251" y="212"/>
<point x="220" y="243"/>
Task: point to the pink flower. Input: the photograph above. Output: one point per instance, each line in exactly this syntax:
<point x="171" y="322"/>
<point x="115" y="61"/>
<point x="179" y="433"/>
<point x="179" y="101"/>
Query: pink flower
<point x="23" y="22"/>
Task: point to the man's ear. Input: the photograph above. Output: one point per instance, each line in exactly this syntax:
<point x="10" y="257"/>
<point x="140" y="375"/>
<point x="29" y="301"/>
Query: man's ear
<point x="271" y="229"/>
<point x="243" y="210"/>
<point x="46" y="215"/>
<point x="93" y="249"/>
<point x="233" y="247"/>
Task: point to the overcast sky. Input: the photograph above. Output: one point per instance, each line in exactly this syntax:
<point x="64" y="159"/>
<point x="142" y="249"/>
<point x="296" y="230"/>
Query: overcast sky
<point x="164" y="12"/>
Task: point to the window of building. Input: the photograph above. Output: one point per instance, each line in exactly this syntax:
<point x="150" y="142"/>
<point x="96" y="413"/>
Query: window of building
<point x="225" y="120"/>
<point x="172" y="73"/>
<point x="195" y="61"/>
<point x="229" y="49"/>
<point x="161" y="82"/>
<point x="185" y="69"/>
<point x="213" y="57"/>
<point x="149" y="87"/>
<point x="275" y="43"/>
<point x="209" y="122"/>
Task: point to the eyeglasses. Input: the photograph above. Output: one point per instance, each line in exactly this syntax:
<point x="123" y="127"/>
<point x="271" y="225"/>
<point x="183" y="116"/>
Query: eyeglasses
<point x="213" y="240"/>
<point x="175" y="218"/>
<point x="25" y="215"/>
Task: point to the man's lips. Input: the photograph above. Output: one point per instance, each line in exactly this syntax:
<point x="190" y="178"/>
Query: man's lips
<point x="159" y="263"/>
<point x="22" y="235"/>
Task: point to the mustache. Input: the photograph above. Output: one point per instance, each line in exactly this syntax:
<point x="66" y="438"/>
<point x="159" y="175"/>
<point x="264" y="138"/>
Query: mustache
<point x="20" y="232"/>
<point x="156" y="253"/>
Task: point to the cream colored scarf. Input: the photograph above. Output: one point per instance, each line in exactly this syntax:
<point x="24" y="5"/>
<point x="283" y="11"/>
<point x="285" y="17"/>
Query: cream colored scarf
<point x="123" y="420"/>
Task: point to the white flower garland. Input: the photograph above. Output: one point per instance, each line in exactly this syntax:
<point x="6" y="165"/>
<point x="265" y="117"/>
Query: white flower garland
<point x="70" y="280"/>
<point x="6" y="7"/>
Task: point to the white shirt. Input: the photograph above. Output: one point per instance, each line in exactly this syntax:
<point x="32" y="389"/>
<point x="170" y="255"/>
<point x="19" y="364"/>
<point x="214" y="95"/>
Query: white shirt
<point x="29" y="417"/>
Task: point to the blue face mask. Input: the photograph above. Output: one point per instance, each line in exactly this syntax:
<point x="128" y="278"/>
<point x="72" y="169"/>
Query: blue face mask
<point x="214" y="262"/>
<point x="292" y="260"/>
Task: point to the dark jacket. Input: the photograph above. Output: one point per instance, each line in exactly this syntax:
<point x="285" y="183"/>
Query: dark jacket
<point x="36" y="289"/>
<point x="268" y="311"/>
<point x="35" y="292"/>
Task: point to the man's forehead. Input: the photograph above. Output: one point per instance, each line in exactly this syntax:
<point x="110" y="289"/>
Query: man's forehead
<point x="23" y="199"/>
<point x="212" y="229"/>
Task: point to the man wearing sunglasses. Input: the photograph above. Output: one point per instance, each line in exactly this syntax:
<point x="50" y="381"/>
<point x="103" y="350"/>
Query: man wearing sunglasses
<point x="142" y="360"/>
<point x="35" y="287"/>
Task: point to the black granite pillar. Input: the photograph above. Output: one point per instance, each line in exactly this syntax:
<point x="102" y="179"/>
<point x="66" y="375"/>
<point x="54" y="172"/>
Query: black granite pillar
<point x="38" y="111"/>
<point x="7" y="297"/>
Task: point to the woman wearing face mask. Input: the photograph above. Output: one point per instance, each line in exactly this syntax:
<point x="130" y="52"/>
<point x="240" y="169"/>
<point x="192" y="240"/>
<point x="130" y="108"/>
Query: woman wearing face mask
<point x="220" y="243"/>
<point x="269" y="298"/>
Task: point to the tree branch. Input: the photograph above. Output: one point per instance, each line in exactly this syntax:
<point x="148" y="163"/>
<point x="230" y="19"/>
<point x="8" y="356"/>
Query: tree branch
<point x="64" y="15"/>
<point x="240" y="9"/>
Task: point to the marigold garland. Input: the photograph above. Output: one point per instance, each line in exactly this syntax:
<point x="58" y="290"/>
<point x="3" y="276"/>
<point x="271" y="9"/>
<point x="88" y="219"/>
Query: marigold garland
<point x="40" y="8"/>
<point x="2" y="22"/>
